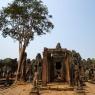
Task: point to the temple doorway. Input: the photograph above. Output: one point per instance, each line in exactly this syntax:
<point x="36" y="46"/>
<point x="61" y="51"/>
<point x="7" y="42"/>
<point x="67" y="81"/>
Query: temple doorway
<point x="59" y="72"/>
<point x="58" y="65"/>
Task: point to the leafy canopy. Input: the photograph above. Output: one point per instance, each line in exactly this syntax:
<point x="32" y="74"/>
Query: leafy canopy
<point x="23" y="19"/>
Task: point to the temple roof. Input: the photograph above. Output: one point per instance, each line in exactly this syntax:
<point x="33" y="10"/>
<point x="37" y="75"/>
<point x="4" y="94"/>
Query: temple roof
<point x="58" y="46"/>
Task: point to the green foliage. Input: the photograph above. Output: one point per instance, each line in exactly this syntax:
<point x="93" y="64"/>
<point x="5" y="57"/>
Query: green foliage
<point x="93" y="60"/>
<point x="23" y="19"/>
<point x="1" y="65"/>
<point x="88" y="63"/>
<point x="9" y="63"/>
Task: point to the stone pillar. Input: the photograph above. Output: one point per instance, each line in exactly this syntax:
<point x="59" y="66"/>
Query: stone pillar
<point x="67" y="70"/>
<point x="44" y="67"/>
<point x="49" y="67"/>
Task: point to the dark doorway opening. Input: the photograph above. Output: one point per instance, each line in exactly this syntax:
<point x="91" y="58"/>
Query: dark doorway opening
<point x="40" y="64"/>
<point x="58" y="65"/>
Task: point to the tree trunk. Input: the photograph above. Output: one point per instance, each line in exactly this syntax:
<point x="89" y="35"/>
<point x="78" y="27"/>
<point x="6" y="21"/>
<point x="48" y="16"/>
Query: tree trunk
<point x="20" y="63"/>
<point x="23" y="68"/>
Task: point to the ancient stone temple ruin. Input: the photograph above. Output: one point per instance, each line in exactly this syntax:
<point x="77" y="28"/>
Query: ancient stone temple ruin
<point x="56" y="64"/>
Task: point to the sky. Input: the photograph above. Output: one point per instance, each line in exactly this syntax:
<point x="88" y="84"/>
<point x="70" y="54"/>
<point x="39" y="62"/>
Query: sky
<point x="74" y="22"/>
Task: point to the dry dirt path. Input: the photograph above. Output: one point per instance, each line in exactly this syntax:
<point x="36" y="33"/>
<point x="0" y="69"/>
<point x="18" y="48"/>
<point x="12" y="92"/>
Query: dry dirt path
<point x="16" y="90"/>
<point x="90" y="89"/>
<point x="51" y="89"/>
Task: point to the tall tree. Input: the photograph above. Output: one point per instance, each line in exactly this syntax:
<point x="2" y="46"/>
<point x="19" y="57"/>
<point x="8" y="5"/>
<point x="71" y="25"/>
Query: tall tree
<point x="22" y="20"/>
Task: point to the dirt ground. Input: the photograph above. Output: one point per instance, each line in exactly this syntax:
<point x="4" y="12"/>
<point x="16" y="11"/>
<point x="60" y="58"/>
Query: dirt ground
<point x="50" y="89"/>
<point x="90" y="89"/>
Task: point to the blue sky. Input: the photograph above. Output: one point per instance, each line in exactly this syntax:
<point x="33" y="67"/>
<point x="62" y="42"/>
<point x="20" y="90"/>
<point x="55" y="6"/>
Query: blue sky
<point x="74" y="22"/>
